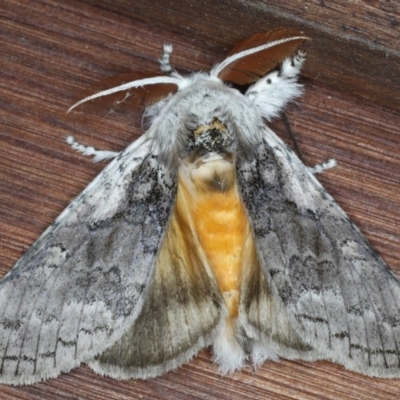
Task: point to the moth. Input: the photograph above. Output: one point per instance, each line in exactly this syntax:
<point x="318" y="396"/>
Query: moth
<point x="208" y="230"/>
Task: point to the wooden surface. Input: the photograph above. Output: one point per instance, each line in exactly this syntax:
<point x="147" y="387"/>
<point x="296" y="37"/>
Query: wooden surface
<point x="50" y="50"/>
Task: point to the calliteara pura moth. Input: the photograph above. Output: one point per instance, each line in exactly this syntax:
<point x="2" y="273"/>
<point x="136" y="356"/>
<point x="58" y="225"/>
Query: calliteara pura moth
<point x="207" y="230"/>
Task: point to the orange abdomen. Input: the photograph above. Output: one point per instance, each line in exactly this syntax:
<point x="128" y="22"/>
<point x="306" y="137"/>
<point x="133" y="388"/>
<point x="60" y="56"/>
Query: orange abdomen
<point x="221" y="224"/>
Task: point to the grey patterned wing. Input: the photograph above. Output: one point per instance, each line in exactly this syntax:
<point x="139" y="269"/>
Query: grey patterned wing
<point x="80" y="286"/>
<point x="182" y="313"/>
<point x="339" y="296"/>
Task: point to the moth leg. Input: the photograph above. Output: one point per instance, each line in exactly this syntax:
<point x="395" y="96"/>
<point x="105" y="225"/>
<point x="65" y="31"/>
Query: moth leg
<point x="272" y="92"/>
<point x="291" y="66"/>
<point x="165" y="64"/>
<point x="99" y="155"/>
<point x="321" y="167"/>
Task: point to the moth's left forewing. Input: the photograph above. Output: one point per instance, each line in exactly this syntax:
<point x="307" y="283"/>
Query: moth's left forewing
<point x="337" y="294"/>
<point x="183" y="309"/>
<point x="81" y="285"/>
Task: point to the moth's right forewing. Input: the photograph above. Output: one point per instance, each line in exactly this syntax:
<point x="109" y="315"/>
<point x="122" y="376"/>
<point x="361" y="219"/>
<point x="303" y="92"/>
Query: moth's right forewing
<point x="338" y="295"/>
<point x="81" y="285"/>
<point x="263" y="314"/>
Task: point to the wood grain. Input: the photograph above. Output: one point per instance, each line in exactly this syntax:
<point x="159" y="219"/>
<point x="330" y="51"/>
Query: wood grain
<point x="52" y="49"/>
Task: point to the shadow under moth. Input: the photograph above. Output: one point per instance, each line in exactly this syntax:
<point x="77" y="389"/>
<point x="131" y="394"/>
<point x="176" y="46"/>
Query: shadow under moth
<point x="208" y="230"/>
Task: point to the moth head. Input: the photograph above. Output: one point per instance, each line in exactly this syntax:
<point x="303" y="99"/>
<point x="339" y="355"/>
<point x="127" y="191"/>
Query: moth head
<point x="182" y="110"/>
<point x="210" y="138"/>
